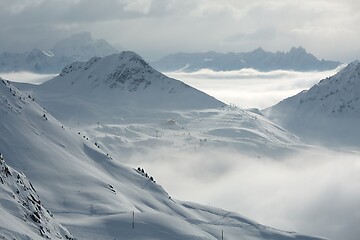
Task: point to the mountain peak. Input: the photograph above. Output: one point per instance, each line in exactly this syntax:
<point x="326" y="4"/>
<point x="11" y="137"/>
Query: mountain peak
<point x="298" y="50"/>
<point x="128" y="78"/>
<point x="259" y="49"/>
<point x="82" y="36"/>
<point x="130" y="56"/>
<point x="296" y="59"/>
<point x="114" y="69"/>
<point x="329" y="111"/>
<point x="82" y="46"/>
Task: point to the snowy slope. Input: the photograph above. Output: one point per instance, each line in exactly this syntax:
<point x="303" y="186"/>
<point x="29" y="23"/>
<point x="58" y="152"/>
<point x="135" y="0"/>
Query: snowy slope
<point x="329" y="112"/>
<point x="22" y="213"/>
<point x="124" y="94"/>
<point x="92" y="194"/>
<point x="296" y="59"/>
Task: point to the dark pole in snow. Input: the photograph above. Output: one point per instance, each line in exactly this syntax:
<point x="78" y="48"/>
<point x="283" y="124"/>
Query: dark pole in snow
<point x="133" y="221"/>
<point x="222" y="234"/>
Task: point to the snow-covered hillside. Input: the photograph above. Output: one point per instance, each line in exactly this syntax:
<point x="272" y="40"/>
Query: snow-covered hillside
<point x="92" y="194"/>
<point x="78" y="47"/>
<point x="123" y="94"/>
<point x="327" y="113"/>
<point x="296" y="59"/>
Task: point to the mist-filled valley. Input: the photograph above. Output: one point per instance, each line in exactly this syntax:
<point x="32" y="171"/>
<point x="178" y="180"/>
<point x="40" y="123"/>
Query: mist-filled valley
<point x="209" y="159"/>
<point x="249" y="88"/>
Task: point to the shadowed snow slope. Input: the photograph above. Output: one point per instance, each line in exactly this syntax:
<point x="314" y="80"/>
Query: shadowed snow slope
<point x="92" y="194"/>
<point x="329" y="112"/>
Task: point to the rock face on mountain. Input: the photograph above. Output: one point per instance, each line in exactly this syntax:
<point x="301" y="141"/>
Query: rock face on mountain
<point x="22" y="213"/>
<point x="78" y="47"/>
<point x="327" y="112"/>
<point x="296" y="59"/>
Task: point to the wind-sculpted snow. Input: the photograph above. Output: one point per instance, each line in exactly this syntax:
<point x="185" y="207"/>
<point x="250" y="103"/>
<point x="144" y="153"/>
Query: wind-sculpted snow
<point x="328" y="112"/>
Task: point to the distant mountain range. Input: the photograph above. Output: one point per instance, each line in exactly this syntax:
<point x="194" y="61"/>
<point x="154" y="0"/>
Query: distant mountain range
<point x="78" y="47"/>
<point x="296" y="59"/>
<point x="328" y="113"/>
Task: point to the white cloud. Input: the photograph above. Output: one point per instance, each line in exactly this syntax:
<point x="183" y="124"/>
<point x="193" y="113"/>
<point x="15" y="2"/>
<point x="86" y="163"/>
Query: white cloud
<point x="316" y="192"/>
<point x="248" y="88"/>
<point x="27" y="77"/>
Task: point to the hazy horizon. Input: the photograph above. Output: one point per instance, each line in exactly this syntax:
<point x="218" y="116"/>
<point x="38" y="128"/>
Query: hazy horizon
<point x="154" y="28"/>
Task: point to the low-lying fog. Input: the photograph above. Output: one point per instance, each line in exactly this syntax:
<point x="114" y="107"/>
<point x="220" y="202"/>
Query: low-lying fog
<point x="316" y="192"/>
<point x="27" y="77"/>
<point x="248" y="88"/>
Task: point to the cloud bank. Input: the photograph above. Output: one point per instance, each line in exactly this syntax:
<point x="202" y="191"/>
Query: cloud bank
<point x="249" y="88"/>
<point x="316" y="192"/>
<point x="27" y="77"/>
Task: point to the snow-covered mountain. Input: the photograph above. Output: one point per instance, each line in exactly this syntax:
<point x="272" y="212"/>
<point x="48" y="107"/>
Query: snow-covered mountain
<point x="124" y="93"/>
<point x="124" y="80"/>
<point x="82" y="47"/>
<point x="328" y="113"/>
<point x="296" y="59"/>
<point x="78" y="47"/>
<point x="34" y="61"/>
<point x="92" y="194"/>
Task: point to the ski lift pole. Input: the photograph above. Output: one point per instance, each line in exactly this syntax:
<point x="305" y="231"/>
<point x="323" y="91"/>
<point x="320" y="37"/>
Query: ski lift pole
<point x="133" y="219"/>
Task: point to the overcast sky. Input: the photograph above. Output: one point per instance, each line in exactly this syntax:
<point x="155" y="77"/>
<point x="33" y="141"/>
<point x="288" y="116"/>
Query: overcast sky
<point x="326" y="28"/>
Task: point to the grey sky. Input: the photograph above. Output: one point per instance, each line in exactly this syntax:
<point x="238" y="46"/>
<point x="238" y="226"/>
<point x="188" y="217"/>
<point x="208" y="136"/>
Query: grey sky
<point x="326" y="28"/>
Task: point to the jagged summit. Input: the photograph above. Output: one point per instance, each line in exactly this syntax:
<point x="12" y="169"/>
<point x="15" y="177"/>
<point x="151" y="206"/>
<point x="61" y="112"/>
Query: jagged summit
<point x="126" y="70"/>
<point x="331" y="108"/>
<point x="333" y="96"/>
<point x="298" y="50"/>
<point x="78" y="47"/>
<point x="82" y="46"/>
<point x="126" y="78"/>
<point x="296" y="59"/>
